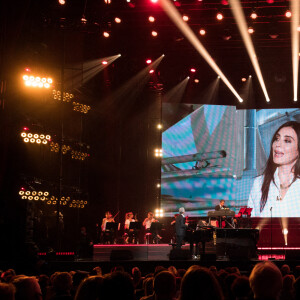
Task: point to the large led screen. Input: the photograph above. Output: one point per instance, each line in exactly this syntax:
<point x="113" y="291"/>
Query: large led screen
<point x="213" y="152"/>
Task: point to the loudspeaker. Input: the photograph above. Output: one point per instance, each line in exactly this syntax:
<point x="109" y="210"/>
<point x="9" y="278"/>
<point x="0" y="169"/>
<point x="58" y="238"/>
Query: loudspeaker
<point x="179" y="254"/>
<point x="121" y="255"/>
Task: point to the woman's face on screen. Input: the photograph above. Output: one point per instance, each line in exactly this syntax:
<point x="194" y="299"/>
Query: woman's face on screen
<point x="285" y="146"/>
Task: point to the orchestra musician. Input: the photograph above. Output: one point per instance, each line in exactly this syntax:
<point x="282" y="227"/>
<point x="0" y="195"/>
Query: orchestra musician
<point x="129" y="233"/>
<point x="147" y="224"/>
<point x="108" y="236"/>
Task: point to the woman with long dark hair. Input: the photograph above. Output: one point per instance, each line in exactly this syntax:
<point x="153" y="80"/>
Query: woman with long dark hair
<point x="278" y="188"/>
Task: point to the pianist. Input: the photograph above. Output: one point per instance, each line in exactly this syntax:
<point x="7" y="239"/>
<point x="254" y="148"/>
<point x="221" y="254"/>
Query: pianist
<point x="221" y="205"/>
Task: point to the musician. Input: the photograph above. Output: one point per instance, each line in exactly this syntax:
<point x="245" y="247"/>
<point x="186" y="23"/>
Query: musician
<point x="221" y="205"/>
<point x="180" y="227"/>
<point x="129" y="233"/>
<point x="147" y="224"/>
<point x="107" y="235"/>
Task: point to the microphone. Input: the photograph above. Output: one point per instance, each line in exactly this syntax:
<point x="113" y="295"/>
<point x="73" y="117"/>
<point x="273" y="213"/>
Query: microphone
<point x="271" y="208"/>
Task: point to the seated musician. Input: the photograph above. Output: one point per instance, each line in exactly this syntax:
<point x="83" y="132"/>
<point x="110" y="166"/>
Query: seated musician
<point x="229" y="222"/>
<point x="147" y="224"/>
<point x="129" y="233"/>
<point x="107" y="235"/>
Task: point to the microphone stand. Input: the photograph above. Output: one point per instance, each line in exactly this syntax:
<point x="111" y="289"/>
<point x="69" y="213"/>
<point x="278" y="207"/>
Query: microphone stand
<point x="271" y="234"/>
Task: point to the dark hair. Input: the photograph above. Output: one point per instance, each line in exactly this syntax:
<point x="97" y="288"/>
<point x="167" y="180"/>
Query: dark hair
<point x="271" y="167"/>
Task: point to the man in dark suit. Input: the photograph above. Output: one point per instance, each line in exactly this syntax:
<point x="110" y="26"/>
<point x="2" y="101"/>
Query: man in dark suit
<point x="221" y="205"/>
<point x="180" y="227"/>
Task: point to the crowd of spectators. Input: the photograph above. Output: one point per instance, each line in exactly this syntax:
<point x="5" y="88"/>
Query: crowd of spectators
<point x="266" y="281"/>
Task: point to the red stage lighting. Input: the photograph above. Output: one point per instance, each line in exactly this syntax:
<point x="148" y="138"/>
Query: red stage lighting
<point x="27" y="70"/>
<point x="202" y="31"/>
<point x="219" y="16"/>
<point x="185" y="18"/>
<point x="224" y="2"/>
<point x="270" y="1"/>
<point x="288" y="14"/>
<point x="151" y="71"/>
<point x="154" y="1"/>
<point x="104" y="62"/>
<point x="193" y="70"/>
<point x="148" y="61"/>
<point x="25" y="128"/>
<point x="151" y="19"/>
<point x="177" y="3"/>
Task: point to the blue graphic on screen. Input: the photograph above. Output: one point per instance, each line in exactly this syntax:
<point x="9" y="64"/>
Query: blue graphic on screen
<point x="214" y="152"/>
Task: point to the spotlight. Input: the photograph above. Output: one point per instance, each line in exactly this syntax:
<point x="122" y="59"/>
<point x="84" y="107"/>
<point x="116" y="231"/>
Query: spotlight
<point x="250" y="30"/>
<point x="23" y="134"/>
<point x="151" y="71"/>
<point x="62" y="2"/>
<point x="288" y="14"/>
<point x="118" y="20"/>
<point x="253" y="15"/>
<point x="104" y="62"/>
<point x="219" y="16"/>
<point x="193" y="70"/>
<point x="37" y="81"/>
<point x="196" y="80"/>
<point x="158" y="152"/>
<point x="159" y="213"/>
<point x="185" y="18"/>
<point x="244" y="79"/>
<point x="107" y="1"/>
<point x="105" y="34"/>
<point x="154" y="1"/>
<point x="154" y="33"/>
<point x="151" y="19"/>
<point x="158" y="185"/>
<point x="159" y="126"/>
<point x="83" y="20"/>
<point x="148" y="61"/>
<point x="202" y="31"/>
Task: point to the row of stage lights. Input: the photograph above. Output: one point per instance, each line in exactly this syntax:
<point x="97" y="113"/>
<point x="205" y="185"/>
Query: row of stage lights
<point x="67" y="97"/>
<point x="36" y="81"/>
<point x="51" y="200"/>
<point x="158" y="152"/>
<point x="77" y="155"/>
<point x="35" y="138"/>
<point x="54" y="147"/>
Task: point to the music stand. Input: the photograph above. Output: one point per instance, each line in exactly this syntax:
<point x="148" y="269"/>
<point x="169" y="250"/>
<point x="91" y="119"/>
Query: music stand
<point x="135" y="225"/>
<point x="248" y="211"/>
<point x="111" y="226"/>
<point x="155" y="226"/>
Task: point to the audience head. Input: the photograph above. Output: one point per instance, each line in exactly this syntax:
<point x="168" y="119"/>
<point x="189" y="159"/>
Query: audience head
<point x="164" y="285"/>
<point x="240" y="288"/>
<point x="287" y="282"/>
<point x="8" y="275"/>
<point x="118" y="285"/>
<point x="7" y="291"/>
<point x="90" y="288"/>
<point x="27" y="288"/>
<point x="200" y="281"/>
<point x="285" y="270"/>
<point x="173" y="270"/>
<point x="78" y="277"/>
<point x="62" y="283"/>
<point x="266" y="280"/>
<point x="148" y="286"/>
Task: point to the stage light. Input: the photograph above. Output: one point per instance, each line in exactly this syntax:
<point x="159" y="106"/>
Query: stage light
<point x="105" y="34"/>
<point x="118" y="20"/>
<point x="36" y="198"/>
<point x="202" y="32"/>
<point x="154" y="1"/>
<point x="37" y="81"/>
<point x="23" y="134"/>
<point x="32" y="140"/>
<point x="21" y="193"/>
<point x="159" y="126"/>
<point x="244" y="79"/>
<point x="154" y="33"/>
<point x="288" y="14"/>
<point x="295" y="9"/>
<point x="148" y="61"/>
<point x="219" y="16"/>
<point x="104" y="62"/>
<point x="158" y="185"/>
<point x="158" y="152"/>
<point x="107" y="1"/>
<point x="151" y="71"/>
<point x="253" y="15"/>
<point x="46" y="194"/>
<point x="27" y="193"/>
<point x="62" y="2"/>
<point x="193" y="70"/>
<point x="251" y="30"/>
<point x="159" y="213"/>
<point x="30" y="198"/>
<point x="185" y="18"/>
<point x="151" y="19"/>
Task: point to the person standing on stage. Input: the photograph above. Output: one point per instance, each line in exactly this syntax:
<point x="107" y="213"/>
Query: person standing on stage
<point x="108" y="236"/>
<point x="180" y="227"/>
